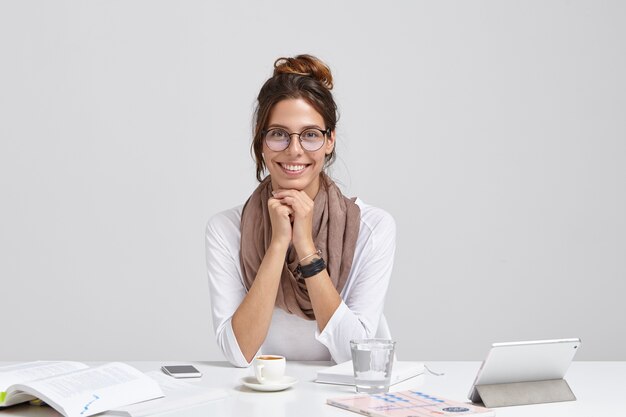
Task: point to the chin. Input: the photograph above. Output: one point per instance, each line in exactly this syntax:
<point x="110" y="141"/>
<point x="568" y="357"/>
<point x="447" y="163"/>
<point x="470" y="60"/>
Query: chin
<point x="298" y="184"/>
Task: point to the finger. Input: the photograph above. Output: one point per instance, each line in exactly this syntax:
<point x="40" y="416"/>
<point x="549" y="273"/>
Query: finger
<point x="297" y="207"/>
<point x="279" y="207"/>
<point x="275" y="202"/>
<point x="299" y="195"/>
<point x="283" y="192"/>
<point x="300" y="205"/>
<point x="286" y="193"/>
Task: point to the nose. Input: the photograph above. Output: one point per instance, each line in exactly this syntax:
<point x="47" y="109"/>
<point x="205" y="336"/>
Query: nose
<point x="294" y="145"/>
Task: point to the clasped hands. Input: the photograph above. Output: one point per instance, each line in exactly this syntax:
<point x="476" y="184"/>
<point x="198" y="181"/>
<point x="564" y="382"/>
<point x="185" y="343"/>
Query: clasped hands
<point x="291" y="215"/>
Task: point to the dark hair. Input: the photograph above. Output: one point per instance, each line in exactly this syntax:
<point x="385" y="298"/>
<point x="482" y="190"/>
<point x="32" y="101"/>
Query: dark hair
<point x="305" y="77"/>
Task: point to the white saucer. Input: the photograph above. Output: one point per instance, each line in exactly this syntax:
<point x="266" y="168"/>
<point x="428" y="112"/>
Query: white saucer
<point x="286" y="382"/>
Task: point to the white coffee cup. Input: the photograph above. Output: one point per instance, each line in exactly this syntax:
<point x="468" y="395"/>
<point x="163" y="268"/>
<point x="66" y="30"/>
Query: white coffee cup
<point x="269" y="369"/>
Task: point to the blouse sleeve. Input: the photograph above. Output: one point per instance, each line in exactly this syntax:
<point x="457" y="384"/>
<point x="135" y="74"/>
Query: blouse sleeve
<point x="225" y="286"/>
<point x="360" y="311"/>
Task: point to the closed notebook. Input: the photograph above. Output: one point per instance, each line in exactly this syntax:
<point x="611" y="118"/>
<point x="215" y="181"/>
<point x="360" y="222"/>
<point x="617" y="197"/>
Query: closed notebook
<point x="343" y="373"/>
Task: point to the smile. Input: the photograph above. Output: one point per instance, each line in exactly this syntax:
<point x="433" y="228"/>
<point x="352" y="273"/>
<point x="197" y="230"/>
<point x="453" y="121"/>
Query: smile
<point x="293" y="168"/>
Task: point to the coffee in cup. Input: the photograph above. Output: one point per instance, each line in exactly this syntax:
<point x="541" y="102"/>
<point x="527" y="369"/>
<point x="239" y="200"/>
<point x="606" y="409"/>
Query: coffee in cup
<point x="269" y="369"/>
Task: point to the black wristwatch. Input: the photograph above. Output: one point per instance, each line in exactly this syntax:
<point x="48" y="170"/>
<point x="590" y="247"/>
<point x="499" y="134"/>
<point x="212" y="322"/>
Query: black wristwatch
<point x="312" y="269"/>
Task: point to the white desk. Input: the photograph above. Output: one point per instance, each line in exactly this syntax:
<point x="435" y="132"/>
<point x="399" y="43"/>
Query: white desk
<point x="599" y="386"/>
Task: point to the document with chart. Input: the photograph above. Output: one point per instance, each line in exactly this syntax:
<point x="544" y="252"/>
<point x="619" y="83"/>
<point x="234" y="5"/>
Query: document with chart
<point x="407" y="403"/>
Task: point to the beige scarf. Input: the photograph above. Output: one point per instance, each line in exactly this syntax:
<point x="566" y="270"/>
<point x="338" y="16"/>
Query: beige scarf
<point x="336" y="222"/>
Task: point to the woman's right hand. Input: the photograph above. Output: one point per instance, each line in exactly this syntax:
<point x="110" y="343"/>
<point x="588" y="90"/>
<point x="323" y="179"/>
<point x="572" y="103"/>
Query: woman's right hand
<point x="280" y="217"/>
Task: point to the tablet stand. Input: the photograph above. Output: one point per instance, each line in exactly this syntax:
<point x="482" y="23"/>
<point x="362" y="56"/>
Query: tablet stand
<point x="523" y="393"/>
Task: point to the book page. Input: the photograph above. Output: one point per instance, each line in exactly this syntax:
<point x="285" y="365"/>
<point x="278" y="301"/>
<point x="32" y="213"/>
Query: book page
<point x="29" y="371"/>
<point x="89" y="391"/>
<point x="178" y="395"/>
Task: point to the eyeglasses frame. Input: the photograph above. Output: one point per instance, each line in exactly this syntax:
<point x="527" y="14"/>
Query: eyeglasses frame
<point x="324" y="132"/>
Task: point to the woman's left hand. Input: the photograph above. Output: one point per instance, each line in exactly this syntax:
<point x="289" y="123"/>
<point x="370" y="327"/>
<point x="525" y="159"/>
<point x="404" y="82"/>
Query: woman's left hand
<point x="302" y="206"/>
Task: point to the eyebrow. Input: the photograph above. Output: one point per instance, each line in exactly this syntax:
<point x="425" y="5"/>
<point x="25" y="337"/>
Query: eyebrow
<point x="286" y="128"/>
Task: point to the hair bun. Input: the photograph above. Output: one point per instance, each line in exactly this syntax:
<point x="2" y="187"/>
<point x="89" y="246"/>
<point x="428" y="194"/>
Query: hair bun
<point x="307" y="65"/>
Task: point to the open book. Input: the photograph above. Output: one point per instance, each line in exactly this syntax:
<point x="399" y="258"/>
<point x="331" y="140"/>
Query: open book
<point x="74" y="389"/>
<point x="343" y="373"/>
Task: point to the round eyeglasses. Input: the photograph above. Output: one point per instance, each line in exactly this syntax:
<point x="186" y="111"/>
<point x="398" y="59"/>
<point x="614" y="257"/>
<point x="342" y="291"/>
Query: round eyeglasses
<point x="278" y="139"/>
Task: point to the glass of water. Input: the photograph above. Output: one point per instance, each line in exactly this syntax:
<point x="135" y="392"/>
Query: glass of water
<point x="372" y="360"/>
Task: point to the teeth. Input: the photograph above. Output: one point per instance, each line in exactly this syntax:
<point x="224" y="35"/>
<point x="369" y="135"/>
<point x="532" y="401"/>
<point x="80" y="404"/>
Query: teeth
<point x="293" y="167"/>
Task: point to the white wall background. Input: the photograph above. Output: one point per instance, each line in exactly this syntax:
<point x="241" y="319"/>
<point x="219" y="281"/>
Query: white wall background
<point x="493" y="131"/>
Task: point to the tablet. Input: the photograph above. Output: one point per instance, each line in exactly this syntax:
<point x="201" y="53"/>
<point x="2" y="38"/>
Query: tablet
<point x="525" y="361"/>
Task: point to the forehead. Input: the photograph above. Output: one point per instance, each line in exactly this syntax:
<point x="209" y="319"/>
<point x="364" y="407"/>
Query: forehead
<point x="295" y="114"/>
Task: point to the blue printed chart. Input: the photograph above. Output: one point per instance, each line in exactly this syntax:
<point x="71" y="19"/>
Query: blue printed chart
<point x="408" y="404"/>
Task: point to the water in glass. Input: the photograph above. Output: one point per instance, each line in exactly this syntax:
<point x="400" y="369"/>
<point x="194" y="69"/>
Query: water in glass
<point x="373" y="361"/>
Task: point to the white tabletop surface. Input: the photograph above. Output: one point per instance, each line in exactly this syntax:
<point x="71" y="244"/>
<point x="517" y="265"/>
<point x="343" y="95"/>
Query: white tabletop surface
<point x="599" y="386"/>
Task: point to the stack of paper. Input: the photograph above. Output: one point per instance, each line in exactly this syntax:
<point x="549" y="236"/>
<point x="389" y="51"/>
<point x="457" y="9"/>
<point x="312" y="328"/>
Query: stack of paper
<point x="178" y="395"/>
<point x="343" y="373"/>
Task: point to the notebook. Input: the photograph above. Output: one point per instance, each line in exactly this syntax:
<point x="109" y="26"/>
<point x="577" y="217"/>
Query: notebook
<point x="407" y="403"/>
<point x="343" y="373"/>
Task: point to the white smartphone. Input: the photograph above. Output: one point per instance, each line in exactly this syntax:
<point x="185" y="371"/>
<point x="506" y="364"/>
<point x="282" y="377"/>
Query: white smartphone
<point x="182" y="371"/>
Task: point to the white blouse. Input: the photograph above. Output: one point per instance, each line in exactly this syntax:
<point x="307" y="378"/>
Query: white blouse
<point x="357" y="316"/>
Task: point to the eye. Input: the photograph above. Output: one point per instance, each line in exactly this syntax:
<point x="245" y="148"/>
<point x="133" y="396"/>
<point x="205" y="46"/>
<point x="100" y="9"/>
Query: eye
<point x="279" y="134"/>
<point x="311" y="134"/>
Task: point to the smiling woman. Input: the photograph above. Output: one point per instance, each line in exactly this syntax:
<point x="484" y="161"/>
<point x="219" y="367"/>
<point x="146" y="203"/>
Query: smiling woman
<point x="300" y="269"/>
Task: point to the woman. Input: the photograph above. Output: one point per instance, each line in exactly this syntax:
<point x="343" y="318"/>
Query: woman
<point x="299" y="270"/>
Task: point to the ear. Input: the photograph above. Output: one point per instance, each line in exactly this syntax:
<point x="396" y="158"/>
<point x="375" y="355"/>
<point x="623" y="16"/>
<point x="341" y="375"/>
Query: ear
<point x="330" y="143"/>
